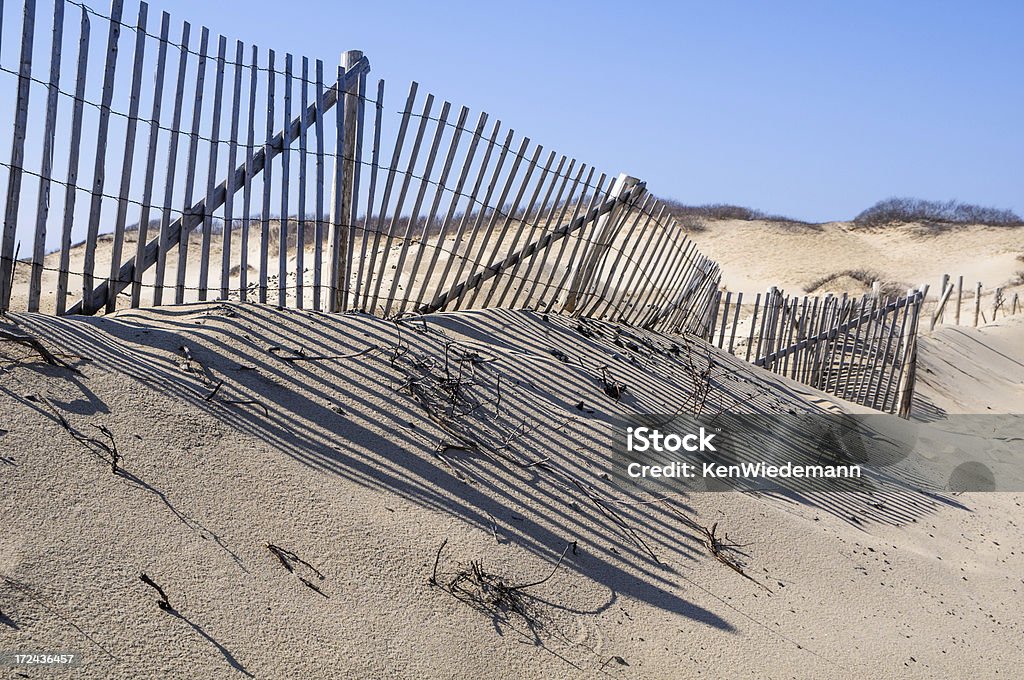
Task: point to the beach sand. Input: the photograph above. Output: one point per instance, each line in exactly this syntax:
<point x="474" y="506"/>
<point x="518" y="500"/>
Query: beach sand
<point x="373" y="456"/>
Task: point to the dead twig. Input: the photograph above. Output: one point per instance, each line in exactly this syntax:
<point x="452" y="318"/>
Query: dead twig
<point x="612" y="388"/>
<point x="115" y="455"/>
<point x="163" y="602"/>
<point x="289" y="560"/>
<point x="548" y="577"/>
<point x="98" y="447"/>
<point x="437" y="560"/>
<point x="715" y="547"/>
<point x="236" y="402"/>
<point x="211" y="395"/>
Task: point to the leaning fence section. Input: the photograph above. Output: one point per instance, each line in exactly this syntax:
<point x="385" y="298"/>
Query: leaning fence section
<point x="153" y="163"/>
<point x="461" y="212"/>
<point x="862" y="349"/>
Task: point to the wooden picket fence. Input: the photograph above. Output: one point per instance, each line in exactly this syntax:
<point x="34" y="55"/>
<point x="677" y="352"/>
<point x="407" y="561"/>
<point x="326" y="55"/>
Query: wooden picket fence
<point x="192" y="170"/>
<point x="862" y="349"/>
<point x="290" y="184"/>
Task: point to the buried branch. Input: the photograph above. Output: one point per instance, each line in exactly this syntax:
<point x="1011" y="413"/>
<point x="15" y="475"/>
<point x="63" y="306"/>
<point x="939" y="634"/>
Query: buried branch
<point x="34" y="344"/>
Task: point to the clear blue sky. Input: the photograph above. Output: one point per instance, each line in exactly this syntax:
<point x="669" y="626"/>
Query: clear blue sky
<point x="813" y="110"/>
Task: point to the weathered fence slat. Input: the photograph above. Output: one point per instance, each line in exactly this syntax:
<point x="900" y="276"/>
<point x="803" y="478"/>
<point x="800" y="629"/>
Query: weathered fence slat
<point x="99" y="169"/>
<point x="603" y="302"/>
<point x="7" y="256"/>
<point x="432" y="215"/>
<point x="190" y="170"/>
<point x="229" y="214"/>
<point x="355" y="109"/>
<point x="318" y="216"/>
<point x="46" y="165"/>
<point x="599" y="242"/>
<point x="513" y="213"/>
<point x="250" y="151"/>
<point x="541" y="299"/>
<point x="558" y="205"/>
<point x="583" y="244"/>
<point x="154" y="138"/>
<point x="534" y="225"/>
<point x="507" y="216"/>
<point x="368" y="301"/>
<point x="480" y="214"/>
<point x="74" y="155"/>
<point x="128" y="162"/>
<point x="300" y="218"/>
<point x="523" y="219"/>
<point x="638" y="269"/>
<point x="467" y="213"/>
<point x="484" y="237"/>
<point x="172" y="162"/>
<point x="570" y="266"/>
<point x="736" y="320"/>
<point x="368" y="218"/>
<point x="675" y="267"/>
<point x="396" y="217"/>
<point x="268" y="177"/>
<point x="286" y="180"/>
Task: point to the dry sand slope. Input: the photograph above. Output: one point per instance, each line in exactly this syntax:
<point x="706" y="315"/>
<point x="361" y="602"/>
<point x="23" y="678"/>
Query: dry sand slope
<point x="487" y="430"/>
<point x="757" y="254"/>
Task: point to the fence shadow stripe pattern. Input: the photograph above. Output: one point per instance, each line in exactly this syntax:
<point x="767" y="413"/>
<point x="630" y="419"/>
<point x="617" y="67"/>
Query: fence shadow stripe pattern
<point x="171" y="165"/>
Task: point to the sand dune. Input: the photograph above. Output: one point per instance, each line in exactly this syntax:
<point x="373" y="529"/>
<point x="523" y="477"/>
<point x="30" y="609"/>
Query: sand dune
<point x="346" y="443"/>
<point x="755" y="255"/>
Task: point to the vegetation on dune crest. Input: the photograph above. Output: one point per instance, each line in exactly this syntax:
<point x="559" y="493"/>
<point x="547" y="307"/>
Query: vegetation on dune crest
<point x="695" y="217"/>
<point x="935" y="214"/>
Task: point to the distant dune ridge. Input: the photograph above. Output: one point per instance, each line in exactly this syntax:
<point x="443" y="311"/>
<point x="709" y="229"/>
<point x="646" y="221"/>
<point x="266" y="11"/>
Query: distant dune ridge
<point x="899" y="242"/>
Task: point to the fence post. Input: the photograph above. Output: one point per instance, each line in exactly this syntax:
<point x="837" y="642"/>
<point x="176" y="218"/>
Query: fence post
<point x="938" y="317"/>
<point x="909" y="369"/>
<point x="977" y="303"/>
<point x="343" y="206"/>
<point x="959" y="297"/>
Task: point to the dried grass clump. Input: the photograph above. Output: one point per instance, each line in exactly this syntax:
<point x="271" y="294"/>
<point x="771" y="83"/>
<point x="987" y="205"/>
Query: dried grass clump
<point x="490" y="593"/>
<point x="865" y="277"/>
